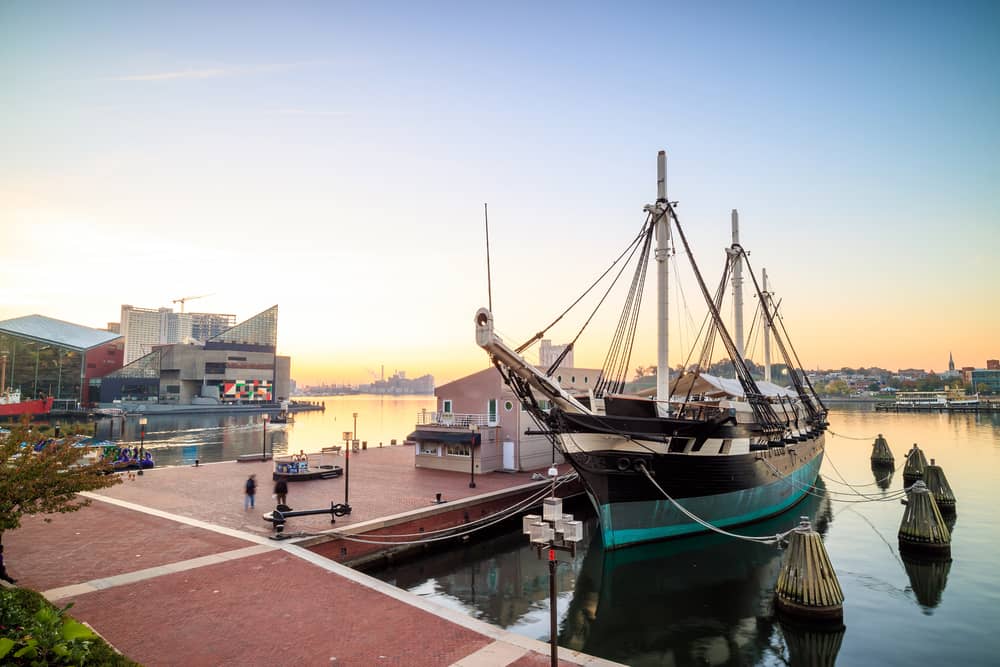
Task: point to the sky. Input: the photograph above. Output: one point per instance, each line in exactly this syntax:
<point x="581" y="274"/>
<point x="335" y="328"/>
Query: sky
<point x="334" y="158"/>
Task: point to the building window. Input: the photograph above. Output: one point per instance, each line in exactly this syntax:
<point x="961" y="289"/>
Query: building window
<point x="215" y="368"/>
<point x="508" y="406"/>
<point x="429" y="449"/>
<point x="572" y="380"/>
<point x="446" y="406"/>
<point x="585" y="379"/>
<point x="459" y="449"/>
<point x="491" y="411"/>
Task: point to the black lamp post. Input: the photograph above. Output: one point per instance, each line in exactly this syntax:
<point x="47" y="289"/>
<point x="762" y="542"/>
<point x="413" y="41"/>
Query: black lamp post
<point x="472" y="457"/>
<point x="263" y="446"/>
<point x="142" y="438"/>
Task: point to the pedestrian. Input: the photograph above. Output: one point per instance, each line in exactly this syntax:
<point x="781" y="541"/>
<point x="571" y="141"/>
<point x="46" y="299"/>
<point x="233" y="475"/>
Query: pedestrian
<point x="3" y="570"/>
<point x="281" y="491"/>
<point x="251" y="490"/>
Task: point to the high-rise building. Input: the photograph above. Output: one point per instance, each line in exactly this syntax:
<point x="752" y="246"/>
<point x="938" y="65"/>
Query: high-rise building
<point x="145" y="328"/>
<point x="548" y="353"/>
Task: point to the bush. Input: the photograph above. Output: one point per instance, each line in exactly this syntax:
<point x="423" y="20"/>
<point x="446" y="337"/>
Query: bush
<point x="33" y="632"/>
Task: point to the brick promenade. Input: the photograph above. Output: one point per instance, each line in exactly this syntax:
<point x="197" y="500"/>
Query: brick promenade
<point x="171" y="570"/>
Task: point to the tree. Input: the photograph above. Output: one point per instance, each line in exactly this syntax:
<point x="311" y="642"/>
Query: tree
<point x="45" y="481"/>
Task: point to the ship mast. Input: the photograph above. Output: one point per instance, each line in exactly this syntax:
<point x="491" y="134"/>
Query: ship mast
<point x="661" y="220"/>
<point x="767" y="329"/>
<point x="737" y="285"/>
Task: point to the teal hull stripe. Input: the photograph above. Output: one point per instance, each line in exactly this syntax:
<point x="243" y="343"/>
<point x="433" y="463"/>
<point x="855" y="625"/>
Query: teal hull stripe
<point x="647" y="521"/>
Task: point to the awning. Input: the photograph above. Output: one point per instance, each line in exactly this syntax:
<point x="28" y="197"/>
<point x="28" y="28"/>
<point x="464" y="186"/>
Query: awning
<point x="457" y="437"/>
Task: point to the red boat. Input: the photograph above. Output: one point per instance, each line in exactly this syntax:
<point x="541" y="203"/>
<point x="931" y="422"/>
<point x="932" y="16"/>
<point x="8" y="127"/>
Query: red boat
<point x="11" y="405"/>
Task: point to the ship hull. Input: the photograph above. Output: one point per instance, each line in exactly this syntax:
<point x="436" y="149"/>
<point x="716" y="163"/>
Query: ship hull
<point x="723" y="490"/>
<point x="40" y="406"/>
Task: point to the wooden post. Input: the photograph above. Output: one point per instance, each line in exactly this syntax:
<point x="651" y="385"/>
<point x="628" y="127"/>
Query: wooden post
<point x="881" y="454"/>
<point x="938" y="485"/>
<point x="916" y="463"/>
<point x="807" y="586"/>
<point x="922" y="530"/>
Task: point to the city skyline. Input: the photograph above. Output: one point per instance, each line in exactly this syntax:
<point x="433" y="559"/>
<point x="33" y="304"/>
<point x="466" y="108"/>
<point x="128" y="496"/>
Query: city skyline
<point x="335" y="160"/>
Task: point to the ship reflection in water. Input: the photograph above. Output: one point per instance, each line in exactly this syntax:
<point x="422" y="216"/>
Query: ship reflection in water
<point x="704" y="600"/>
<point x="691" y="601"/>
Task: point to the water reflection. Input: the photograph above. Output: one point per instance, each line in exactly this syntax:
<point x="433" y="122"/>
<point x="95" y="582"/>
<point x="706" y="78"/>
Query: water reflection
<point x="811" y="646"/>
<point x="927" y="580"/>
<point x="883" y="475"/>
<point x="702" y="600"/>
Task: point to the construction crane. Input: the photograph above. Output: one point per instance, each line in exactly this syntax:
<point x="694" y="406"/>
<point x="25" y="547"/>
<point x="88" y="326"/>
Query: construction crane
<point x="189" y="298"/>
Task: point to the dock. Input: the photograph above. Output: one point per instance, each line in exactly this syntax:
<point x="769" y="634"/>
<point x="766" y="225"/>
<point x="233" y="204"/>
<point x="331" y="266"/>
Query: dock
<point x="171" y="569"/>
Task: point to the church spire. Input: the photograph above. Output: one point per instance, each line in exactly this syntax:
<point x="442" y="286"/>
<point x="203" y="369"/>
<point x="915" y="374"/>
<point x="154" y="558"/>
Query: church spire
<point x="951" y="362"/>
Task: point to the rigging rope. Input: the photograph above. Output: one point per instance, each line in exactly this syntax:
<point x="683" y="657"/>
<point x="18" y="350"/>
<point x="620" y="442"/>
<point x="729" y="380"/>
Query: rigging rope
<point x="541" y="333"/>
<point x="848" y="437"/>
<point x="761" y="539"/>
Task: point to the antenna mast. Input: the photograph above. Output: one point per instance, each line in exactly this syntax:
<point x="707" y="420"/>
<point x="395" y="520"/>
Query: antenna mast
<point x="489" y="283"/>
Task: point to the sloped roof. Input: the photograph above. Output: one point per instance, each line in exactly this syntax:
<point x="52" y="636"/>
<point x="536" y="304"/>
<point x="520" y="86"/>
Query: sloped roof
<point x="710" y="385"/>
<point x="64" y="334"/>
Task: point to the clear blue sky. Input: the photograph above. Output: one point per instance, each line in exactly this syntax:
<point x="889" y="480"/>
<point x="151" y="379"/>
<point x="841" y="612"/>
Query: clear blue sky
<point x="334" y="158"/>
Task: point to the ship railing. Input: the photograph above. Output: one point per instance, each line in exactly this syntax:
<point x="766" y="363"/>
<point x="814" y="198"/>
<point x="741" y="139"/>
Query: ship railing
<point x="459" y="419"/>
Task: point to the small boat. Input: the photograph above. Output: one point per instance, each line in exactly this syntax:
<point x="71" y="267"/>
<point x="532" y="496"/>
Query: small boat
<point x="703" y="453"/>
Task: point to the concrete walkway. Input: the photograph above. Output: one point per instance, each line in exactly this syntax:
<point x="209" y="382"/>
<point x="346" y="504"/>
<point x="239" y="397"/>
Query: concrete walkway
<point x="171" y="570"/>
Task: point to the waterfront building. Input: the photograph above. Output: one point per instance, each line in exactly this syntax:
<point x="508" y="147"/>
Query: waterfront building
<point x="146" y="328"/>
<point x="50" y="357"/>
<point x="479" y="416"/>
<point x="986" y="380"/>
<point x="237" y="366"/>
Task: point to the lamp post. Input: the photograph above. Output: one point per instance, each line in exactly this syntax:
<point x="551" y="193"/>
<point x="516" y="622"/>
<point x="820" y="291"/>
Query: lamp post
<point x="142" y="438"/>
<point x="552" y="532"/>
<point x="263" y="446"/>
<point x="472" y="457"/>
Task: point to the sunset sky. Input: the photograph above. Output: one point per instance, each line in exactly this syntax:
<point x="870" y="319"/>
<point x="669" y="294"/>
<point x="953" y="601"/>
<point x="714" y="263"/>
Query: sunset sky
<point x="334" y="158"/>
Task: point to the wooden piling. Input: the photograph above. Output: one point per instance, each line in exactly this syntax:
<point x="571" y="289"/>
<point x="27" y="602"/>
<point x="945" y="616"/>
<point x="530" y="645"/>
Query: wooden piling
<point x="922" y="530"/>
<point x="807" y="587"/>
<point x="938" y="485"/>
<point x="881" y="454"/>
<point x="916" y="464"/>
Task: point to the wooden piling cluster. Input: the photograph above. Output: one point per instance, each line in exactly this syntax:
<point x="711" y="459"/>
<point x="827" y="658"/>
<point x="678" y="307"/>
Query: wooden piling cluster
<point x="916" y="464"/>
<point x="923" y="530"/>
<point x="881" y="454"/>
<point x="938" y="485"/>
<point x="807" y="585"/>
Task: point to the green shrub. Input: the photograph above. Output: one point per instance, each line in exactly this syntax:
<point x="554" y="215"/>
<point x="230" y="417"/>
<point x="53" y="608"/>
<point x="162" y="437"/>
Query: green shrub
<point x="33" y="632"/>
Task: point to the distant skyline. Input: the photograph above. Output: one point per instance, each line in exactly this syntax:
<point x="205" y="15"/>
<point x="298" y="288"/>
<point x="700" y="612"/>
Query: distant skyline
<point x="334" y="158"/>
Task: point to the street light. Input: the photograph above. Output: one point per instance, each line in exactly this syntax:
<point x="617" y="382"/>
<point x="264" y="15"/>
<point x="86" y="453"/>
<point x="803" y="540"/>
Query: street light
<point x="553" y="531"/>
<point x="142" y="438"/>
<point x="263" y="451"/>
<point x="472" y="457"/>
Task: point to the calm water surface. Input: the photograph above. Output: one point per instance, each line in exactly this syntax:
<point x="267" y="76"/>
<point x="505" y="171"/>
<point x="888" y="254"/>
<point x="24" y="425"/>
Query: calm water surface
<point x="180" y="439"/>
<point x="704" y="600"/>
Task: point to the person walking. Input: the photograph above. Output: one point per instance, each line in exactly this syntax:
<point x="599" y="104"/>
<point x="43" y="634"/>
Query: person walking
<point x="281" y="491"/>
<point x="251" y="491"/>
<point x="3" y="570"/>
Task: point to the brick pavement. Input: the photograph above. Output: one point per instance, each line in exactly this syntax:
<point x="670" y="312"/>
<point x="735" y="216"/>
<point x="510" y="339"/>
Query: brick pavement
<point x="160" y="566"/>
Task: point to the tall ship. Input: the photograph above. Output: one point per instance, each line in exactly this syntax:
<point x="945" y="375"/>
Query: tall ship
<point x="699" y="451"/>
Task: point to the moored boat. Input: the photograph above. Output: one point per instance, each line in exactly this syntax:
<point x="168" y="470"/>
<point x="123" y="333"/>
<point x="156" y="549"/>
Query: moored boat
<point x="704" y="452"/>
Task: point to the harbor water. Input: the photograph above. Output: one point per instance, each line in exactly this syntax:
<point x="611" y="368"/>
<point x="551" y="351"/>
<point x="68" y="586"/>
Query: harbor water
<point x="706" y="600"/>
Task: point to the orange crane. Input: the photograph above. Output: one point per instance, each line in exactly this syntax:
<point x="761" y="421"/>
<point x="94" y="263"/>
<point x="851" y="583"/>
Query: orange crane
<point x="189" y="298"/>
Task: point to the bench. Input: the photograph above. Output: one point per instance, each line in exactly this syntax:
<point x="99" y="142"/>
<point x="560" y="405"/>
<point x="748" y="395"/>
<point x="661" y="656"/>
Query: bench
<point x="331" y="450"/>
